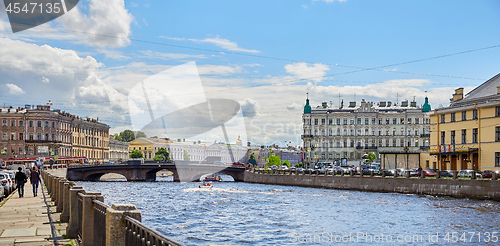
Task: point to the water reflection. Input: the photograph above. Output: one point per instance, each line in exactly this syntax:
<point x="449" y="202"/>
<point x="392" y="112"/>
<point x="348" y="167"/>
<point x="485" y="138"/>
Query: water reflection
<point x="254" y="214"/>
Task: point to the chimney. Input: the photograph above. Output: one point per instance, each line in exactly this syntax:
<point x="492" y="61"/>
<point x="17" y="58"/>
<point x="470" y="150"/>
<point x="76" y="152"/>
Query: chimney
<point x="382" y="104"/>
<point x="324" y="104"/>
<point x="352" y="104"/>
<point x="389" y="103"/>
<point x="459" y="94"/>
<point x="413" y="104"/>
<point x="404" y="103"/>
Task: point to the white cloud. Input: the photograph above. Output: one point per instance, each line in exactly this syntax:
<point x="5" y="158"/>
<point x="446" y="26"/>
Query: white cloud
<point x="220" y="42"/>
<point x="45" y="80"/>
<point x="14" y="89"/>
<point x="303" y="71"/>
<point x="250" y="108"/>
<point x="170" y="56"/>
<point x="144" y="20"/>
<point x="108" y="24"/>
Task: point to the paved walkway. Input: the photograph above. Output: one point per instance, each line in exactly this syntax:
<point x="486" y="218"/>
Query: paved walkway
<point x="30" y="220"/>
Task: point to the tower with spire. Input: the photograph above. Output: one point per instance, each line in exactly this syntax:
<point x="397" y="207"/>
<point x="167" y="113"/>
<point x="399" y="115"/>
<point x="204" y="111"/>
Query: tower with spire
<point x="307" y="108"/>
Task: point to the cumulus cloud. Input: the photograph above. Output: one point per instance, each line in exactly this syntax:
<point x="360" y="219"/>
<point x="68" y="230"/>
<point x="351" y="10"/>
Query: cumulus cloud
<point x="45" y="80"/>
<point x="107" y="25"/>
<point x="14" y="89"/>
<point x="220" y="42"/>
<point x="250" y="108"/>
<point x="293" y="106"/>
<point x="303" y="70"/>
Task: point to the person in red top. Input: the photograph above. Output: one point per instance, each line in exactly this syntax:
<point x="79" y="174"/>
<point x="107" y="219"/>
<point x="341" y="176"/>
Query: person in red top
<point x="35" y="179"/>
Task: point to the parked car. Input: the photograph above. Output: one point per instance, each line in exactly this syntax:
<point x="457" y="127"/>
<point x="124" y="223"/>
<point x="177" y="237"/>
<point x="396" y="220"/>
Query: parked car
<point x="467" y="173"/>
<point x="4" y="181"/>
<point x="284" y="168"/>
<point x="414" y="172"/>
<point x="2" y="193"/>
<point x="489" y="174"/>
<point x="11" y="181"/>
<point x="292" y="169"/>
<point x="402" y="171"/>
<point x="446" y="173"/>
<point x="429" y="173"/>
<point x="300" y="170"/>
<point x="274" y="167"/>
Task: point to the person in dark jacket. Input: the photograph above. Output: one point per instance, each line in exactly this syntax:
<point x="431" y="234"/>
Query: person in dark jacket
<point x="34" y="179"/>
<point x="20" y="179"/>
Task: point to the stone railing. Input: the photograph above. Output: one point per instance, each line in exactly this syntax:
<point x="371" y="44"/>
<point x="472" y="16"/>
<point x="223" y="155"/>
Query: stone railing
<point x="93" y="222"/>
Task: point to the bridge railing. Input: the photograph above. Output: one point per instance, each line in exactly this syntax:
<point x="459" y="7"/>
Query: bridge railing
<point x="92" y="222"/>
<point x="141" y="235"/>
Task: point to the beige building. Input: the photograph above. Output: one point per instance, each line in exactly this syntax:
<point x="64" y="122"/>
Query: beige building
<point x="466" y="135"/>
<point x="343" y="134"/>
<point x="118" y="150"/>
<point x="148" y="146"/>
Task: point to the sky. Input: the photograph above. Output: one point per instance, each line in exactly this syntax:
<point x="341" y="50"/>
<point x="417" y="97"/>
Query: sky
<point x="266" y="55"/>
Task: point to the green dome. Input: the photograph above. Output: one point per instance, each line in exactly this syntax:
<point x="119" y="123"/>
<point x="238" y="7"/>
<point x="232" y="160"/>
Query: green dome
<point x="427" y="106"/>
<point x="307" y="108"/>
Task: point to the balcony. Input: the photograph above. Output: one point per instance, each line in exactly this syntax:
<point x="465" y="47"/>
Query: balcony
<point x="307" y="136"/>
<point x="425" y="135"/>
<point x="41" y="141"/>
<point x="366" y="147"/>
<point x="424" y="147"/>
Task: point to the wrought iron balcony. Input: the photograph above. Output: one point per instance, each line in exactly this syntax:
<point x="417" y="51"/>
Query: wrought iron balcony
<point x="425" y="135"/>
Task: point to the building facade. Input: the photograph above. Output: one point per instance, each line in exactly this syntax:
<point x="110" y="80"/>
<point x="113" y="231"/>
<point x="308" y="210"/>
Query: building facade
<point x="466" y="134"/>
<point x="33" y="132"/>
<point x="118" y="151"/>
<point x="397" y="134"/>
<point x="148" y="146"/>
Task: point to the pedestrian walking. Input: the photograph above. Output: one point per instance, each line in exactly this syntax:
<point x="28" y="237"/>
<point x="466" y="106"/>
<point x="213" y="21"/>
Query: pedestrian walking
<point x="35" y="179"/>
<point x="20" y="180"/>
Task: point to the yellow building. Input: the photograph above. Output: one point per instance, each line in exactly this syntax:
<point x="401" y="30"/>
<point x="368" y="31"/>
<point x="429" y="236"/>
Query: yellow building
<point x="466" y="135"/>
<point x="148" y="146"/>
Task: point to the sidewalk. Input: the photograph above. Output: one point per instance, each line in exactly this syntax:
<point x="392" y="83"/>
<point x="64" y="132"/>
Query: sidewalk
<point x="30" y="220"/>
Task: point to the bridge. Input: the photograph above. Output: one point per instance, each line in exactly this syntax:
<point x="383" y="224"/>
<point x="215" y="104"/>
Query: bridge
<point x="147" y="172"/>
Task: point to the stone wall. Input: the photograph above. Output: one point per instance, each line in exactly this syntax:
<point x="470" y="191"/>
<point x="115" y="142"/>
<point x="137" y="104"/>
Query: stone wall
<point x="462" y="188"/>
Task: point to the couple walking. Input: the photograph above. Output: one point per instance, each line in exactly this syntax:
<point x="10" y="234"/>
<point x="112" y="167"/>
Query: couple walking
<point x="21" y="179"/>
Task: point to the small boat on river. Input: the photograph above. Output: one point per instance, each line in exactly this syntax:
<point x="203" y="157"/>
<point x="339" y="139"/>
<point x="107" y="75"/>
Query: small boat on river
<point x="206" y="185"/>
<point x="212" y="178"/>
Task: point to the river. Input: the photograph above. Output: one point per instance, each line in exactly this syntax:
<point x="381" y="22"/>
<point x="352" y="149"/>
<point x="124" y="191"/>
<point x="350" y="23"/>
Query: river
<point x="254" y="214"/>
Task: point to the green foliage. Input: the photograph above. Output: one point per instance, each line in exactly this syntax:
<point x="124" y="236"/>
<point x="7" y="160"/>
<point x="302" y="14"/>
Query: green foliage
<point x="127" y="136"/>
<point x="286" y="163"/>
<point x="186" y="156"/>
<point x="274" y="160"/>
<point x="299" y="165"/>
<point x="136" y="154"/>
<point x="252" y="160"/>
<point x="139" y="134"/>
<point x="371" y="157"/>
<point x="117" y="137"/>
<point x="162" y="155"/>
<point x="156" y="137"/>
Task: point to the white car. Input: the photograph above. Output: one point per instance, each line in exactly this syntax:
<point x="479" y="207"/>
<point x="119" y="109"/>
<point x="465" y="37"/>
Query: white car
<point x="5" y="183"/>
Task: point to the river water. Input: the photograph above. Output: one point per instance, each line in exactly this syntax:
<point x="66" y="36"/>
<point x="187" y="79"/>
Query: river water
<point x="254" y="214"/>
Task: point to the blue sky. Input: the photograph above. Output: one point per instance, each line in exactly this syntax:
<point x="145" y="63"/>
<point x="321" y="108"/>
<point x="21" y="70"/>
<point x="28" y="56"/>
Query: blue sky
<point x="264" y="54"/>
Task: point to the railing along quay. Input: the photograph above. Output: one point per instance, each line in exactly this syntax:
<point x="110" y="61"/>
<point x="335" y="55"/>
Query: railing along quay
<point x="92" y="222"/>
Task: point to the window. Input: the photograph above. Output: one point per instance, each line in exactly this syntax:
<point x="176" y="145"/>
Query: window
<point x="21" y="123"/>
<point x="12" y="136"/>
<point x="12" y="123"/>
<point x="4" y="122"/>
<point x="315" y="121"/>
<point x="497" y="134"/>
<point x="452" y="137"/>
<point x="373" y="121"/>
<point x="443" y="136"/>
<point x="394" y="143"/>
<point x="393" y="132"/>
<point x="21" y="136"/>
<point x="464" y="115"/>
<point x="387" y="143"/>
<point x="352" y="132"/>
<point x="416" y="132"/>
<point x="387" y="121"/>
<point x="380" y="121"/>
<point x="39" y="124"/>
<point x="352" y="143"/>
<point x="352" y="121"/>
<point x="338" y="121"/>
<point x="367" y="121"/>
<point x="417" y="121"/>
<point x="31" y="136"/>
<point x="402" y="121"/>
<point x="401" y="143"/>
<point x="359" y="132"/>
<point x="474" y="135"/>
<point x="330" y="121"/>
<point x="322" y="121"/>
<point x="452" y="117"/>
<point x="4" y="136"/>
<point x="39" y="136"/>
<point x="345" y="132"/>
<point x="442" y="118"/>
<point x="54" y="125"/>
<point x="474" y="114"/>
<point x="345" y="143"/>
<point x="393" y="120"/>
<point x="497" y="111"/>
<point x="409" y="120"/>
<point x="464" y="136"/>
<point x="497" y="159"/>
<point x="345" y="121"/>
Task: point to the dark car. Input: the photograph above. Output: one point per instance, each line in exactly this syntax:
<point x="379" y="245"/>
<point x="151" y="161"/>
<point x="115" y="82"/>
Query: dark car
<point x="446" y="173"/>
<point x="489" y="174"/>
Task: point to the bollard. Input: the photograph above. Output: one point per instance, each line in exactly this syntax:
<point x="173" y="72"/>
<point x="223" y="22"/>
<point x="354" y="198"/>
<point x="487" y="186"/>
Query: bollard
<point x="342" y="172"/>
<point x="494" y="176"/>
<point x="395" y="173"/>
<point x="438" y="174"/>
<point x="473" y="175"/>
<point x="371" y="173"/>
<point x="60" y="195"/>
<point x="290" y="172"/>
<point x="455" y="174"/>
<point x="296" y="171"/>
<point x="407" y="174"/>
<point x="316" y="172"/>
<point x="74" y="218"/>
<point x="361" y="174"/>
<point x="88" y="217"/>
<point x="351" y="173"/>
<point x="422" y="174"/>
<point x="55" y="188"/>
<point x="383" y="173"/>
<point x="115" y="223"/>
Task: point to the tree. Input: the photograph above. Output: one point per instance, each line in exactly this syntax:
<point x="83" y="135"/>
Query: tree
<point x="140" y="135"/>
<point x="299" y="165"/>
<point x="371" y="157"/>
<point x="136" y="154"/>
<point x="252" y="160"/>
<point x="127" y="136"/>
<point x="274" y="160"/>
<point x="156" y="137"/>
<point x="286" y="163"/>
<point x="186" y="156"/>
<point x="117" y="137"/>
<point x="162" y="155"/>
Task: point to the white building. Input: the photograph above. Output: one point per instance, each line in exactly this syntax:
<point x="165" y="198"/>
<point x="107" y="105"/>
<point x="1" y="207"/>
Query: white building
<point x="396" y="133"/>
<point x="207" y="152"/>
